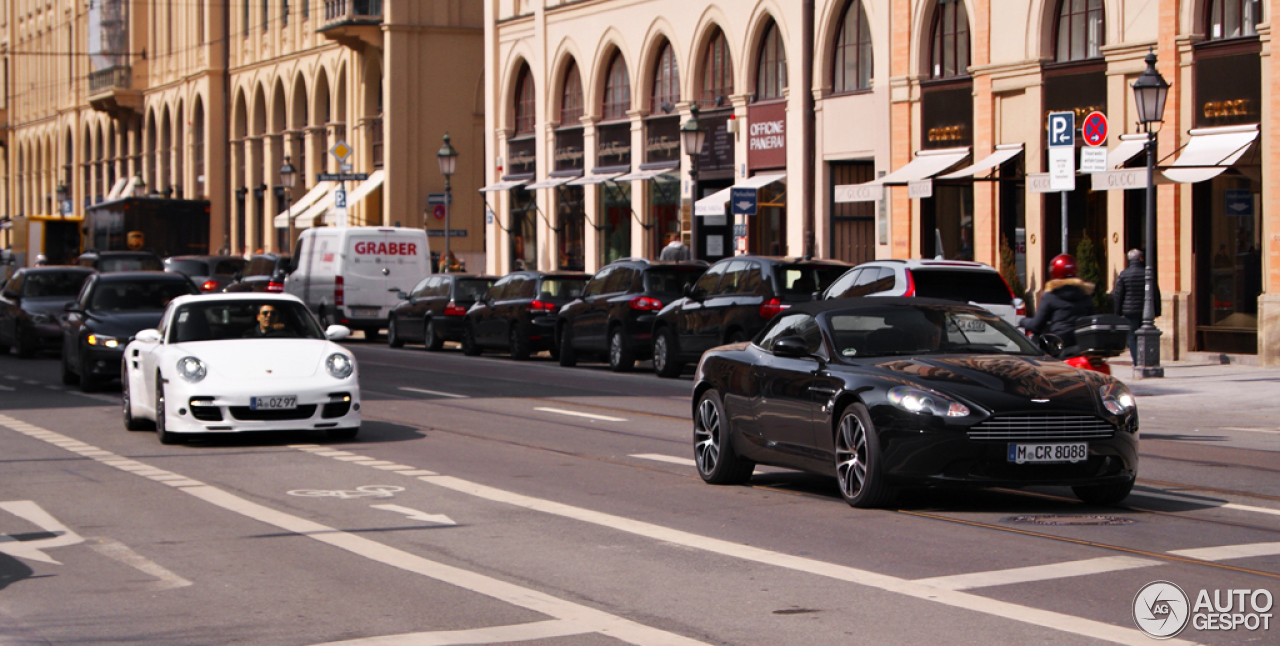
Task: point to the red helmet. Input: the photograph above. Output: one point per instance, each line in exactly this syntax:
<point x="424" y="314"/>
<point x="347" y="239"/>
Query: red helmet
<point x="1062" y="266"/>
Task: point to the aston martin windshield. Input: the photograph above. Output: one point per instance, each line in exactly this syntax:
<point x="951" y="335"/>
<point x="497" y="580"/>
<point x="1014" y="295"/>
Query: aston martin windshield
<point x="892" y="331"/>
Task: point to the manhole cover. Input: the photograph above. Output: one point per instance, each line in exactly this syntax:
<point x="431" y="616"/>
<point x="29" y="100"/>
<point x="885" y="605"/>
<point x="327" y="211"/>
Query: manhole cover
<point x="1069" y="520"/>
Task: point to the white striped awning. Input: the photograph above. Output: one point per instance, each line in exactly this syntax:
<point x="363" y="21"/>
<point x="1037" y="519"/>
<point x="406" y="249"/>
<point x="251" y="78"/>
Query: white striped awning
<point x="1002" y="154"/>
<point x="505" y="185"/>
<point x="645" y="175"/>
<point x="301" y="206"/>
<point x="1210" y="152"/>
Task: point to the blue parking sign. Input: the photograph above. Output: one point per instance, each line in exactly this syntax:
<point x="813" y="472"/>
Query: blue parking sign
<point x="1062" y="129"/>
<point x="340" y="198"/>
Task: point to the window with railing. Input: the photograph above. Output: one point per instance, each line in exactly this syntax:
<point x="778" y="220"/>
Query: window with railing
<point x="266" y="14"/>
<point x="335" y="10"/>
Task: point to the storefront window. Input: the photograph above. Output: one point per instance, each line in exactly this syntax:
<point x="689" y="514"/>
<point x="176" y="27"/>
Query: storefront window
<point x="571" y="97"/>
<point x="852" y="67"/>
<point x="946" y="227"/>
<point x="617" y="90"/>
<point x="768" y="228"/>
<point x="717" y="72"/>
<point x="666" y="82"/>
<point x="1229" y="223"/>
<point x="664" y="205"/>
<point x="571" y="249"/>
<point x="523" y="230"/>
<point x="616" y="206"/>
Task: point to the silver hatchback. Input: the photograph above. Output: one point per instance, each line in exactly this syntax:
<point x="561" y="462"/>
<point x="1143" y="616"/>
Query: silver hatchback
<point x="954" y="280"/>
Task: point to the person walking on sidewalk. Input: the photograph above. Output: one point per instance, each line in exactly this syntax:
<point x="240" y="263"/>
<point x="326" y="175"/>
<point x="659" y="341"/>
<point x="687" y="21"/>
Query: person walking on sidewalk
<point x="1130" y="297"/>
<point x="675" y="249"/>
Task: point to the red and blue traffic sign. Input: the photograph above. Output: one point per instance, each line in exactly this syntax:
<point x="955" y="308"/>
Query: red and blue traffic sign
<point x="1094" y="129"/>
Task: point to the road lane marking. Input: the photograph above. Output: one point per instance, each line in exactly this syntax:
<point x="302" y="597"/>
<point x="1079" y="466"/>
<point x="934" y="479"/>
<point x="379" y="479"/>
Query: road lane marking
<point x="1249" y="429"/>
<point x="418" y="472"/>
<point x="8" y="388"/>
<point x="391" y="467"/>
<point x="493" y="635"/>
<point x="34" y="550"/>
<point x="111" y="548"/>
<point x="558" y="411"/>
<point x="414" y="514"/>
<point x="1038" y="572"/>
<point x="1208" y="502"/>
<point x="1227" y="552"/>
<point x="433" y="392"/>
<point x="684" y="462"/>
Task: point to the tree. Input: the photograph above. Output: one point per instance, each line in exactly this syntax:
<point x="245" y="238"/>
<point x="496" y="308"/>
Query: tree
<point x="1091" y="271"/>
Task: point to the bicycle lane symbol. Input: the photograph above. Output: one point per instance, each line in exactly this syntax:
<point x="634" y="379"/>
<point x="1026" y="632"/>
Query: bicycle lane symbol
<point x="366" y="491"/>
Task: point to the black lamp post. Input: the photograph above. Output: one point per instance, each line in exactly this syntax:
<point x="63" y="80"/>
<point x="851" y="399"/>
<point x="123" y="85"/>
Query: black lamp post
<point x="1149" y="94"/>
<point x="448" y="159"/>
<point x="692" y="138"/>
<point x="63" y="194"/>
<point x="288" y="178"/>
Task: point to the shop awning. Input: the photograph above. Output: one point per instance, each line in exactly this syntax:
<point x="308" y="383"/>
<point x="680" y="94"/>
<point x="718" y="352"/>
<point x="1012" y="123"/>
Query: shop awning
<point x="1003" y="153"/>
<point x="301" y="206"/>
<point x="1130" y="146"/>
<point x="314" y="211"/>
<point x="926" y="164"/>
<point x="362" y="191"/>
<point x="714" y="204"/>
<point x="593" y="179"/>
<point x="504" y="185"/>
<point x="117" y="189"/>
<point x="1210" y="152"/>
<point x="645" y="175"/>
<point x="554" y="180"/>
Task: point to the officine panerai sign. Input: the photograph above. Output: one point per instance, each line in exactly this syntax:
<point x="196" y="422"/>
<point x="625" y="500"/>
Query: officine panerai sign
<point x="767" y="136"/>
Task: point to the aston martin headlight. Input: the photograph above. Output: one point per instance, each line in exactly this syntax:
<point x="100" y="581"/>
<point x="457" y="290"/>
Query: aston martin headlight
<point x="1116" y="398"/>
<point x="339" y="365"/>
<point x="103" y="341"/>
<point x="191" y="369"/>
<point x="926" y="402"/>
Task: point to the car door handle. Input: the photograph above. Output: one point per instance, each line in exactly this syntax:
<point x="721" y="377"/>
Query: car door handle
<point x="825" y="391"/>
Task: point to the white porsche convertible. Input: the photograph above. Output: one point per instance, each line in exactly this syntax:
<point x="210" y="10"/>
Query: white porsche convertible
<point x="231" y="363"/>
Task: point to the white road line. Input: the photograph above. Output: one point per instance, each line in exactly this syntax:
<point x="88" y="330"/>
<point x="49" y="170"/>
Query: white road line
<point x="1251" y="430"/>
<point x="391" y="467"/>
<point x="1228" y="552"/>
<point x="13" y="377"/>
<point x="433" y="392"/>
<point x="493" y="635"/>
<point x="165" y="580"/>
<point x="684" y="462"/>
<point x="1038" y="572"/>
<point x="1208" y="502"/>
<point x="8" y="388"/>
<point x="558" y="411"/>
<point x="419" y="472"/>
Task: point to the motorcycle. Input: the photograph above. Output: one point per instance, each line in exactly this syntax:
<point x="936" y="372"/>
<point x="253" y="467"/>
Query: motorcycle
<point x="1098" y="338"/>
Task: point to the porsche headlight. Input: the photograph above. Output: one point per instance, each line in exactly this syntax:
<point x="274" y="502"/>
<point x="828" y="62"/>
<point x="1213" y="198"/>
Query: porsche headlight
<point x="1116" y="398"/>
<point x="191" y="369"/>
<point x="926" y="402"/>
<point x="339" y="365"/>
<point x="103" y="341"/>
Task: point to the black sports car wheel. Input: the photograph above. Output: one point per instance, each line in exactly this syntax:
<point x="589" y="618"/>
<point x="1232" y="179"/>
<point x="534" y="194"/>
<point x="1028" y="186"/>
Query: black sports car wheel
<point x="131" y="423"/>
<point x="1108" y="494"/>
<point x="430" y="339"/>
<point x="393" y="335"/>
<point x="664" y="354"/>
<point x="162" y="433"/>
<point x="858" y="460"/>
<point x="568" y="356"/>
<point x="713" y="446"/>
<point x="621" y="357"/>
<point x="469" y="345"/>
<point x="518" y="343"/>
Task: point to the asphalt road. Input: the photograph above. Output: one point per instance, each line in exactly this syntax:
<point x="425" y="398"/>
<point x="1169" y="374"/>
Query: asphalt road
<point x="490" y="501"/>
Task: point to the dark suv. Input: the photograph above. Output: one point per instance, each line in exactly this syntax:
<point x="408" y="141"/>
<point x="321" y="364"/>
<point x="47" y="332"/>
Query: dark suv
<point x="433" y="312"/>
<point x="519" y="312"/>
<point x="615" y="315"/>
<point x="732" y="302"/>
<point x="106" y="262"/>
<point x="264" y="273"/>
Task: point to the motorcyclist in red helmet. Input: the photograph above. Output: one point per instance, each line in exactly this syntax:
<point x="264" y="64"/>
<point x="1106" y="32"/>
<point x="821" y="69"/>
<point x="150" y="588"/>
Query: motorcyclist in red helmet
<point x="1066" y="298"/>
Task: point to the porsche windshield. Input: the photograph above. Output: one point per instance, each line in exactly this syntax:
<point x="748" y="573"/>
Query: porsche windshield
<point x="247" y="319"/>
<point x="912" y="330"/>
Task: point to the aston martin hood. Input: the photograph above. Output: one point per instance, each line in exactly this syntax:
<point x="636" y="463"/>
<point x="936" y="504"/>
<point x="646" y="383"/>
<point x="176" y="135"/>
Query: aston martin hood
<point x="1001" y="380"/>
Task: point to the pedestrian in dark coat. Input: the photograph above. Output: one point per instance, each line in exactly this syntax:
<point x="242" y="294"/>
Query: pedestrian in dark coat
<point x="1130" y="297"/>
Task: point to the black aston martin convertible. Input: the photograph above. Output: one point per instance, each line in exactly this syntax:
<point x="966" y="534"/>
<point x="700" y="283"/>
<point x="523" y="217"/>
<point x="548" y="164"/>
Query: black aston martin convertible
<point x="891" y="392"/>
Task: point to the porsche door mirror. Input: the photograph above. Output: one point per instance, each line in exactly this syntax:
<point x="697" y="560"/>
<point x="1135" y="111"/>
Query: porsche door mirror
<point x="337" y="332"/>
<point x="148" y="336"/>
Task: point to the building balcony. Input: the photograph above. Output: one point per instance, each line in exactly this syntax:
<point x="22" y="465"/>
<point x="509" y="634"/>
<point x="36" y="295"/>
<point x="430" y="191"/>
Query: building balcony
<point x="111" y="90"/>
<point x="353" y="23"/>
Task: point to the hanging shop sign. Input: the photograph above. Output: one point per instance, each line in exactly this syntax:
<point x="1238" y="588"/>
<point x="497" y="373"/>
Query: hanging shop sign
<point x="767" y="136"/>
<point x="613" y="145"/>
<point x="568" y="151"/>
<point x="946" y="116"/>
<point x="662" y="140"/>
<point x="522" y="156"/>
<point x="1228" y="90"/>
<point x="717" y="153"/>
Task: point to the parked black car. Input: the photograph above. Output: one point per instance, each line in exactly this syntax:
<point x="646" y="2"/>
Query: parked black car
<point x="890" y="392"/>
<point x="105" y="262"/>
<point x="32" y="307"/>
<point x="434" y="311"/>
<point x="614" y="317"/>
<point x="733" y="301"/>
<point x="209" y="273"/>
<point x="264" y="273"/>
<point x="518" y="314"/>
<point x="109" y="311"/>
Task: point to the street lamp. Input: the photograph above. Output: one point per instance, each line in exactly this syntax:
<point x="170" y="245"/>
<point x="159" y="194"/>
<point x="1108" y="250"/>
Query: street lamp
<point x="448" y="159"/>
<point x="1149" y="94"/>
<point x="693" y="137"/>
<point x="288" y="177"/>
<point x="139" y="186"/>
<point x="63" y="196"/>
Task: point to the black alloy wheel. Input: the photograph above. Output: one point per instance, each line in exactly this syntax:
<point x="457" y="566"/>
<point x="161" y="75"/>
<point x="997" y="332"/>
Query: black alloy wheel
<point x="664" y="354"/>
<point x="713" y="445"/>
<point x="518" y="343"/>
<point x="469" y="345"/>
<point x="162" y="433"/>
<point x="131" y="423"/>
<point x="622" y="358"/>
<point x="858" y="460"/>
<point x="1107" y="494"/>
<point x="393" y="335"/>
<point x="431" y="340"/>
<point x="568" y="356"/>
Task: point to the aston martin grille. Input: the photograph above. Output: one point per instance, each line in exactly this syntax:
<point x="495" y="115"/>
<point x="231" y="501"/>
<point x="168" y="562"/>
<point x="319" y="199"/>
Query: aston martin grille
<point x="1042" y="427"/>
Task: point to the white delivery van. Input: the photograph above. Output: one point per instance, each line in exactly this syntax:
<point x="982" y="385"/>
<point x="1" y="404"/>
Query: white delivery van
<point x="351" y="275"/>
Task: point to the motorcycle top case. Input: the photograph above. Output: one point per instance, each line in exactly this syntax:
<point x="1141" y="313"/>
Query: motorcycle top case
<point x="1102" y="332"/>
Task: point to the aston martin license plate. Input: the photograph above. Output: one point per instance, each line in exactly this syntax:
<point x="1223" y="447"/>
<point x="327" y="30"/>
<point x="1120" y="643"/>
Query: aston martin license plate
<point x="280" y="402"/>
<point x="1046" y="453"/>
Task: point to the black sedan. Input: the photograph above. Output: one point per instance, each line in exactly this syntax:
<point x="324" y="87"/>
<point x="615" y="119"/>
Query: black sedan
<point x="891" y="392"/>
<point x="518" y="313"/>
<point x="433" y="312"/>
<point x="110" y="310"/>
<point x="209" y="273"/>
<point x="31" y="307"/>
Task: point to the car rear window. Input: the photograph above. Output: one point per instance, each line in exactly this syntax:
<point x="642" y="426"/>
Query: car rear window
<point x="964" y="285"/>
<point x="135" y="263"/>
<point x="128" y="296"/>
<point x="799" y="282"/>
<point x="671" y="280"/>
<point x="471" y="289"/>
<point x="53" y="284"/>
<point x="563" y="287"/>
<point x="188" y="267"/>
<point x="229" y="266"/>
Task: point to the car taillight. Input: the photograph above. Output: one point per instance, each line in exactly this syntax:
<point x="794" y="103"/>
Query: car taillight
<point x="772" y="308"/>
<point x="339" y="292"/>
<point x="543" y="306"/>
<point x="209" y="285"/>
<point x="275" y="286"/>
<point x="646" y="304"/>
<point x="454" y="310"/>
<point x="911" y="285"/>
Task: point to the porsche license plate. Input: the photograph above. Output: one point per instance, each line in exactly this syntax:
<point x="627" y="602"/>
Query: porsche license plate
<point x="280" y="402"/>
<point x="1048" y="453"/>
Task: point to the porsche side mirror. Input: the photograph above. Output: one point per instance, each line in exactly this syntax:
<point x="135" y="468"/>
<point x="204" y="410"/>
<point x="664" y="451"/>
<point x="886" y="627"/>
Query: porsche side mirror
<point x="337" y="332"/>
<point x="695" y="293"/>
<point x="147" y="336"/>
<point x="791" y="346"/>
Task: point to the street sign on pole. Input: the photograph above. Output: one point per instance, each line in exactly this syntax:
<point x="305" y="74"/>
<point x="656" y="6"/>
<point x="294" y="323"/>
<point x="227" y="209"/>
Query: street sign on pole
<point x="1093" y="130"/>
<point x="1062" y="129"/>
<point x="439" y="198"/>
<point x="340" y="198"/>
<point x="1093" y="159"/>
<point x="1062" y="151"/>
<point x="438" y="211"/>
<point x="744" y="200"/>
<point x="341" y="151"/>
<point x="341" y="177"/>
